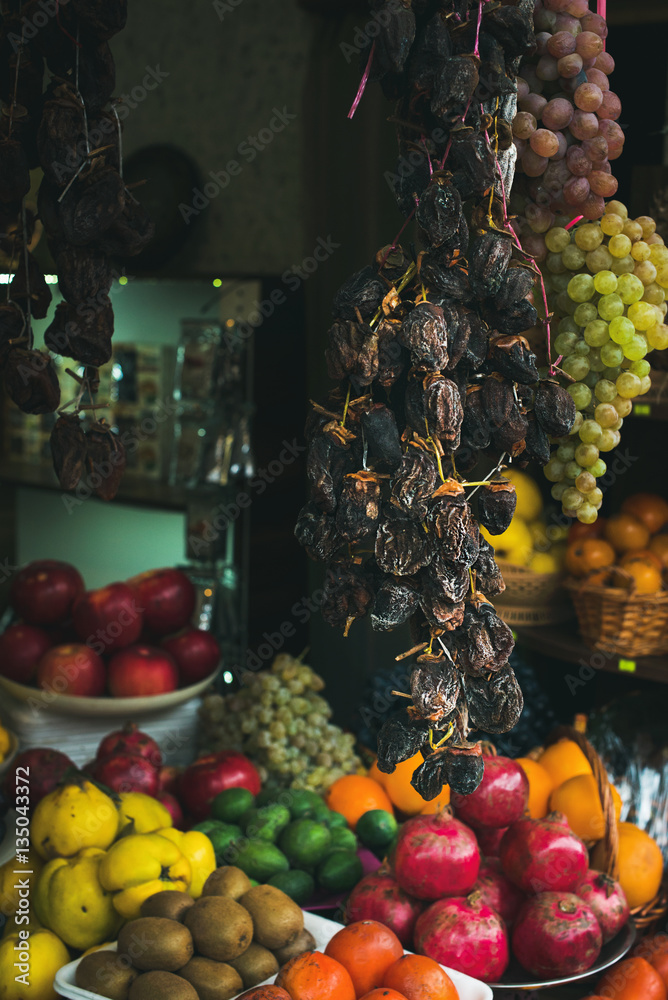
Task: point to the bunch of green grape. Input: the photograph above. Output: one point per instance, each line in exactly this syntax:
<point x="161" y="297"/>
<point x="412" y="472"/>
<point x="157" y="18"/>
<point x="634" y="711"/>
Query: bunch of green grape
<point x="281" y="722"/>
<point x="606" y="283"/>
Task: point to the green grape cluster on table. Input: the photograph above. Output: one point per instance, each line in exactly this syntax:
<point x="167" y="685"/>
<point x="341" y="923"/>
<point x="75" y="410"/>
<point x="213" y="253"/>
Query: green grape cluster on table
<point x="281" y="722"/>
<point x="606" y="284"/>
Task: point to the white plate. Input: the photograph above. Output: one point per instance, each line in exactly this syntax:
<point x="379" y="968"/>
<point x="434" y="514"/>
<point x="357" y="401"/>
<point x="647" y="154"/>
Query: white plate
<point x="120" y="707"/>
<point x="321" y="929"/>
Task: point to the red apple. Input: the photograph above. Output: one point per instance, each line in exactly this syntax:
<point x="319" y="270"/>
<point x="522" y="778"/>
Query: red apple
<point x="74" y="669"/>
<point x="173" y="807"/>
<point x="46" y="769"/>
<point x="108" y="618"/>
<point x="21" y="649"/>
<point x="203" y="780"/>
<point x="140" y="670"/>
<point x="169" y="778"/>
<point x="43" y="592"/>
<point x="130" y="740"/>
<point x="196" y="652"/>
<point x="167" y="597"/>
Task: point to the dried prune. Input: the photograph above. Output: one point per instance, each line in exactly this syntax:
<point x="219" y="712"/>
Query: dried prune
<point x="439" y="211"/>
<point x="454" y="86"/>
<point x="485" y="642"/>
<point x="317" y="532"/>
<point x="511" y="435"/>
<point x="395" y="36"/>
<point x="497" y="399"/>
<point x="92" y="204"/>
<point x="83" y="274"/>
<point x="494" y="705"/>
<point x="451" y="579"/>
<point x="438" y="608"/>
<point x="130" y="232"/>
<point x="359" y="505"/>
<point x="512" y="27"/>
<point x="554" y="408"/>
<point x="496" y="505"/>
<point x="448" y="281"/>
<point x="489" y="256"/>
<point x="105" y="460"/>
<point x="400" y="738"/>
<point x="409" y="182"/>
<point x="82" y="333"/>
<point x="61" y="135"/>
<point x="363" y="291"/>
<point x="465" y="768"/>
<point x="472" y="159"/>
<point x="381" y="437"/>
<point x="487" y="574"/>
<point x="414" y="482"/>
<point x="435" y="687"/>
<point x="451" y="521"/>
<point x="348" y="593"/>
<point x="430" y="777"/>
<point x="512" y="357"/>
<point x="395" y="601"/>
<point x="352" y="352"/>
<point x="515" y="319"/>
<point x="402" y="545"/>
<point x="31" y="380"/>
<point x="516" y="285"/>
<point x="477" y="343"/>
<point x="391" y="356"/>
<point x="68" y="450"/>
<point x="537" y="441"/>
<point x="433" y="406"/>
<point x="424" y="333"/>
<point x="431" y="46"/>
<point x="327" y="461"/>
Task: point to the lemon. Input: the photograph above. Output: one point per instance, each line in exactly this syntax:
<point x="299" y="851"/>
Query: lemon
<point x="5" y="742"/>
<point x="543" y="562"/>
<point x="529" y="499"/>
<point x="514" y="545"/>
<point x="539" y="535"/>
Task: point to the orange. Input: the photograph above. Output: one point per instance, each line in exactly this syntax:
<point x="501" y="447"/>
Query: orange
<point x="383" y="994"/>
<point x="659" y="546"/>
<point x="640" y="864"/>
<point x="632" y="979"/>
<point x="540" y="787"/>
<point x="579" y="801"/>
<point x="314" y="976"/>
<point x="420" y="978"/>
<point x="639" y="576"/>
<point x="354" y="794"/>
<point x="439" y="803"/>
<point x="625" y="532"/>
<point x="649" y="508"/>
<point x="366" y="949"/>
<point x="641" y="555"/>
<point x="588" y="554"/>
<point x="398" y="785"/>
<point x="564" y="760"/>
<point x="659" y="961"/>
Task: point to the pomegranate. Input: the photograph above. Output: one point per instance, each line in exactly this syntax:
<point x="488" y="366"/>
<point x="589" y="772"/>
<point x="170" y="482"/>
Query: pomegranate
<point x="541" y="855"/>
<point x="379" y="897"/>
<point x="499" y="800"/>
<point x="169" y="778"/>
<point x="127" y="772"/>
<point x="43" y="592"/>
<point x="436" y="855"/>
<point x="556" y="934"/>
<point x="498" y="892"/>
<point x="606" y="899"/>
<point x="21" y="649"/>
<point x="173" y="807"/>
<point x="466" y="935"/>
<point x="489" y="839"/>
<point x="46" y="769"/>
<point x="129" y="739"/>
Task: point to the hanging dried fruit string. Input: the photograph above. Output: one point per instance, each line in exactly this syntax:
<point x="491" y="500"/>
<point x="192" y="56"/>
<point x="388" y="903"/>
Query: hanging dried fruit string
<point x="436" y="381"/>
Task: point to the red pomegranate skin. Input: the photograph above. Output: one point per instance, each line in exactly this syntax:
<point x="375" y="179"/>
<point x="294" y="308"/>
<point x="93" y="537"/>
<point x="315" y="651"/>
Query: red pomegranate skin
<point x="173" y="807"/>
<point x="543" y="855"/>
<point x="498" y="892"/>
<point x="489" y="840"/>
<point x="607" y="900"/>
<point x="556" y="934"/>
<point x="125" y="772"/>
<point x="46" y="768"/>
<point x="500" y="799"/>
<point x="379" y="897"/>
<point x="466" y="935"/>
<point x="435" y="856"/>
<point x="129" y="739"/>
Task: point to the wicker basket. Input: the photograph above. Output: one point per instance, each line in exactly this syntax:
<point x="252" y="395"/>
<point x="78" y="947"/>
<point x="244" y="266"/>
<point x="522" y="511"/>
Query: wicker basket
<point x="646" y="917"/>
<point x="532" y="598"/>
<point x="618" y="621"/>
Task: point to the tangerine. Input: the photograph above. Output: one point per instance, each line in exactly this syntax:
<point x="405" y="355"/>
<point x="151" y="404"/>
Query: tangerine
<point x="659" y="547"/>
<point x="640" y="864"/>
<point x="383" y="994"/>
<point x="578" y="799"/>
<point x="366" y="949"/>
<point x="639" y="576"/>
<point x="401" y="792"/>
<point x="587" y="555"/>
<point x="439" y="803"/>
<point x="563" y="760"/>
<point x="420" y="978"/>
<point x="540" y="787"/>
<point x="655" y="951"/>
<point x="354" y="794"/>
<point x="632" y="979"/>
<point x="314" y="976"/>
<point x="625" y="532"/>
<point x="641" y="555"/>
<point x="649" y="508"/>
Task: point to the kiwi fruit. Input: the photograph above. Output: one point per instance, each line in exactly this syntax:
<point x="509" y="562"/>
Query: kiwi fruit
<point x="170" y="903"/>
<point x="157" y="985"/>
<point x="255" y="965"/>
<point x="227" y="881"/>
<point x="276" y="918"/>
<point x="106" y="973"/>
<point x="303" y="942"/>
<point x="220" y="927"/>
<point x="212" y="980"/>
<point x="156" y="943"/>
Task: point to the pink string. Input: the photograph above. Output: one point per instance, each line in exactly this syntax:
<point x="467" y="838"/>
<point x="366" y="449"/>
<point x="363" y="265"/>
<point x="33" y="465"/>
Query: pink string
<point x="394" y="241"/>
<point x="476" y="50"/>
<point x="601" y="10"/>
<point x="577" y="218"/>
<point x="363" y="82"/>
<point x="445" y="154"/>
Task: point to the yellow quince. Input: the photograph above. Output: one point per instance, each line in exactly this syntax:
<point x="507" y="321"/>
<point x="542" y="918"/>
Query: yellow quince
<point x="70" y="901"/>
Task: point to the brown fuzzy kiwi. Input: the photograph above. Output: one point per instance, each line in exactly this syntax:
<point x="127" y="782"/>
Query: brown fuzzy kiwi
<point x="255" y="965"/>
<point x="171" y="904"/>
<point x="227" y="881"/>
<point x="276" y="918"/>
<point x="212" y="980"/>
<point x="106" y="973"/>
<point x="303" y="942"/>
<point x="156" y="943"/>
<point x="220" y="927"/>
<point x="156" y="985"/>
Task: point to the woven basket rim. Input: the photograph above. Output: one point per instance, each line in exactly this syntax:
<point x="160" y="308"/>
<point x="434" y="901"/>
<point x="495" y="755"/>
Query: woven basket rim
<point x="510" y="568"/>
<point x="614" y="593"/>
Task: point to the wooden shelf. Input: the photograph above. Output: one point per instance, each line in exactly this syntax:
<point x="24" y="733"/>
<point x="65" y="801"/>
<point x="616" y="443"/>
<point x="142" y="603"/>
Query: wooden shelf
<point x="133" y="490"/>
<point x="563" y="643"/>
